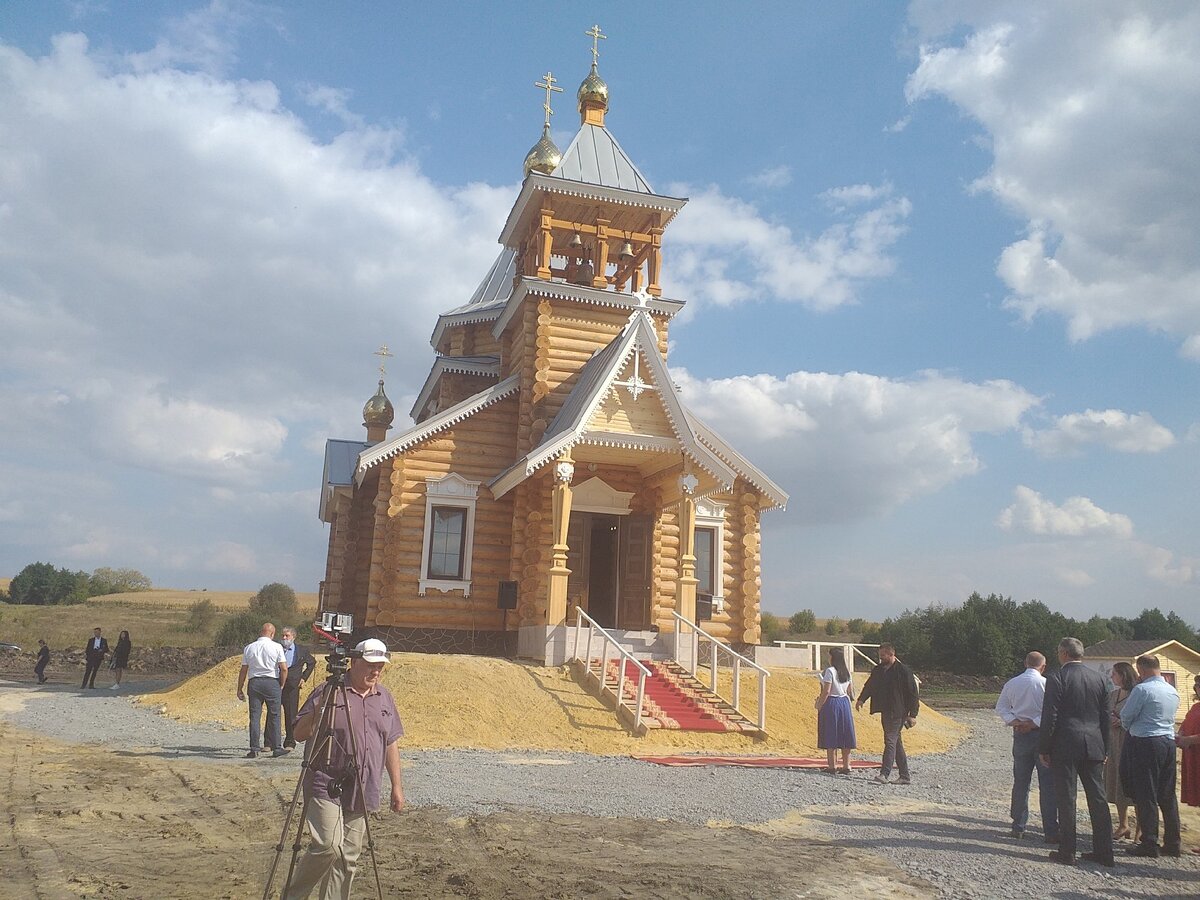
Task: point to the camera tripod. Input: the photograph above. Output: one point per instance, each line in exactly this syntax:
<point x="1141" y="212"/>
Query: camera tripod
<point x="318" y="747"/>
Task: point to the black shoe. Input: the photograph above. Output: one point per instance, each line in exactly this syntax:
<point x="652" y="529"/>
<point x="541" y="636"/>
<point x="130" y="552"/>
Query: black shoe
<point x="290" y="746"/>
<point x="1149" y="851"/>
<point x="1173" y="852"/>
<point x="1050" y="839"/>
<point x="1017" y="834"/>
<point x="253" y="754"/>
<point x="1057" y="856"/>
<point x="1106" y="861"/>
<point x="282" y="751"/>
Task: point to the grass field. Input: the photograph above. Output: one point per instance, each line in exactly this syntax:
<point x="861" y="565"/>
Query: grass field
<point x="155" y="618"/>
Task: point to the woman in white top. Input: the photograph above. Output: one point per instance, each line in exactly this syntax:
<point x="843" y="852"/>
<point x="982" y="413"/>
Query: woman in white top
<point x="835" y="719"/>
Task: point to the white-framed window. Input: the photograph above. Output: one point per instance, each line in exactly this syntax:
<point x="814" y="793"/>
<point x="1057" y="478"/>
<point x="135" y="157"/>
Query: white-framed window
<point x="710" y="550"/>
<point x="449" y="534"/>
<point x="706" y="574"/>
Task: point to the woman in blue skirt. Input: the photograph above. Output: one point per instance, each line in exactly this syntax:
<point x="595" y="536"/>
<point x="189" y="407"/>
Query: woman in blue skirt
<point x="835" y="720"/>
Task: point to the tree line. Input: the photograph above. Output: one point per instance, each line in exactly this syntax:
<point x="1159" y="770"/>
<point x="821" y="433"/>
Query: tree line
<point x="991" y="635"/>
<point x="42" y="584"/>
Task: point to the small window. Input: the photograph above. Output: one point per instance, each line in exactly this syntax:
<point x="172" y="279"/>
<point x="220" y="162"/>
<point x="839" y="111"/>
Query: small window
<point x="446" y="540"/>
<point x="449" y="534"/>
<point x="706" y="539"/>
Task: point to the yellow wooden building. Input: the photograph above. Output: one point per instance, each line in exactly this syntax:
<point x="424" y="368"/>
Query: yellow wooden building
<point x="1179" y="663"/>
<point x="550" y="449"/>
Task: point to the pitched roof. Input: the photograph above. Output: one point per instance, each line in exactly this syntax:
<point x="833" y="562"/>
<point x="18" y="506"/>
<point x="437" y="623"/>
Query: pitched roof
<point x="1120" y="649"/>
<point x="595" y="382"/>
<point x="595" y="157"/>
<point x="488" y="300"/>
<point x="434" y="424"/>
<point x="340" y="457"/>
<point x="466" y="365"/>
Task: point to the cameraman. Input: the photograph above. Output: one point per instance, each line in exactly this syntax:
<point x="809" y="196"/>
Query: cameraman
<point x="337" y="809"/>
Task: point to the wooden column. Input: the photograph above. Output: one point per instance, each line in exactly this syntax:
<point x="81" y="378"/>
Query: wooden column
<point x="556" y="606"/>
<point x="655" y="263"/>
<point x="685" y="594"/>
<point x="600" y="275"/>
<point x="545" y="243"/>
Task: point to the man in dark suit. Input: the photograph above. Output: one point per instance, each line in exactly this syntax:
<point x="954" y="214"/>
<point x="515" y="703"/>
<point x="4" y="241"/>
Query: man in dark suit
<point x="300" y="665"/>
<point x="94" y="653"/>
<point x="1074" y="743"/>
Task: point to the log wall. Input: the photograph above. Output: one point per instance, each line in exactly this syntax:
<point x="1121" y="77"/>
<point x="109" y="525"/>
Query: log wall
<point x="477" y="450"/>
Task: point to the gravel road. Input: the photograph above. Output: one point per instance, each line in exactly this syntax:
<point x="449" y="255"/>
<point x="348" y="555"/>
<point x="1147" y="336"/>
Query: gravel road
<point x="949" y="827"/>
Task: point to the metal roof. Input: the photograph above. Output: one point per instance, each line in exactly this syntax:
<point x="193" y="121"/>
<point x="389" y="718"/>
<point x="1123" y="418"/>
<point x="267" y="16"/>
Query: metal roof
<point x="595" y="157"/>
<point x="1129" y="649"/>
<point x="340" y="458"/>
<point x="596" y="379"/>
<point x="497" y="284"/>
<point x="431" y="426"/>
<point x="466" y="365"/>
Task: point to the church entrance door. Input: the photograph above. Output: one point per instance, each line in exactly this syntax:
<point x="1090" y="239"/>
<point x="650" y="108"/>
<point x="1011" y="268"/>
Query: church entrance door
<point x="609" y="559"/>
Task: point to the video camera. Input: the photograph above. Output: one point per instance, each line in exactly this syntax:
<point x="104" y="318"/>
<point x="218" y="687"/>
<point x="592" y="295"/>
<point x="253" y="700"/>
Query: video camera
<point x="337" y="629"/>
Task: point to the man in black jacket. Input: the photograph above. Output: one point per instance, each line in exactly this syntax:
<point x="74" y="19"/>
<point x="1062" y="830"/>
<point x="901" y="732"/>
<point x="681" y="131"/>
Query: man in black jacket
<point x="300" y="665"/>
<point x="94" y="653"/>
<point x="1074" y="743"/>
<point x="43" y="660"/>
<point x="892" y="690"/>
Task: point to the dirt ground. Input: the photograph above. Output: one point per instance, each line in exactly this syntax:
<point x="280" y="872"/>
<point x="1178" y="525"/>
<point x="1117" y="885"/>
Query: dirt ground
<point x="82" y="821"/>
<point x="448" y="700"/>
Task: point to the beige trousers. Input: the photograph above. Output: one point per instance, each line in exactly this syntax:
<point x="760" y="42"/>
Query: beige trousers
<point x="335" y="843"/>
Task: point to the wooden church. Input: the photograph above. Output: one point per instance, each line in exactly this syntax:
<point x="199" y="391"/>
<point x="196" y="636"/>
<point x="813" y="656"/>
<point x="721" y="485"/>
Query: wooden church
<point x="552" y="465"/>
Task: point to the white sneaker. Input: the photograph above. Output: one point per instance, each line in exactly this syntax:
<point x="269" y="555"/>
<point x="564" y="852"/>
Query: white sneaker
<point x="879" y="779"/>
<point x="113" y="687"/>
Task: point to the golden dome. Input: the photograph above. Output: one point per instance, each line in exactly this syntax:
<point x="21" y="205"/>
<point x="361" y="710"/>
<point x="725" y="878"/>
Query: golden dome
<point x="545" y="156"/>
<point x="378" y="410"/>
<point x="593" y="89"/>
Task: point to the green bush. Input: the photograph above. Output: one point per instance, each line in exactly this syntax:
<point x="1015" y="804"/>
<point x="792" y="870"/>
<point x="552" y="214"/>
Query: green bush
<point x="41" y="584"/>
<point x="773" y="629"/>
<point x="201" y="616"/>
<point x="833" y="626"/>
<point x="856" y="626"/>
<point x="802" y="622"/>
<point x="274" y="603"/>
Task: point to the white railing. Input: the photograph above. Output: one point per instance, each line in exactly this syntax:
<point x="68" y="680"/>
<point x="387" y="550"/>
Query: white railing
<point x="623" y="657"/>
<point x="715" y="647"/>
<point x="817" y="648"/>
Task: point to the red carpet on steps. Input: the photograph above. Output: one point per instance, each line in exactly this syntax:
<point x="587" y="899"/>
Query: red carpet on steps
<point x="672" y="706"/>
<point x="757" y="762"/>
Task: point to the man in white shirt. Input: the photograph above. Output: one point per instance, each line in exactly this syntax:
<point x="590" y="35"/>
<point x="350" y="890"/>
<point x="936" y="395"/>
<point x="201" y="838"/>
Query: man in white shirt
<point x="263" y="661"/>
<point x="1020" y="706"/>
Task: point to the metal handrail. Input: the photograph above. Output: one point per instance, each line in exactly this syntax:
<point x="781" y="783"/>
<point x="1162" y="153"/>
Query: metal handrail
<point x="622" y="656"/>
<point x="737" y="659"/>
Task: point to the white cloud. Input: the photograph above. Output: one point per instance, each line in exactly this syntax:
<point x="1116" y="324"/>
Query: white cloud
<point x="840" y="198"/>
<point x="852" y="446"/>
<point x="1095" y="143"/>
<point x="1112" y="428"/>
<point x="184" y="273"/>
<point x="202" y="261"/>
<point x="1162" y="565"/>
<point x="774" y="177"/>
<point x="1077" y="516"/>
<point x="723" y="251"/>
<point x="1074" y="577"/>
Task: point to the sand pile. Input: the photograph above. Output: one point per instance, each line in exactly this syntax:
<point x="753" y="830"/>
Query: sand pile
<point x="485" y="703"/>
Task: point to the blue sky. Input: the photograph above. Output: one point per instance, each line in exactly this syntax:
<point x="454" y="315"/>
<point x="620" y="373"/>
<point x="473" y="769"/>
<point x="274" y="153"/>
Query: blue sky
<point x="940" y="264"/>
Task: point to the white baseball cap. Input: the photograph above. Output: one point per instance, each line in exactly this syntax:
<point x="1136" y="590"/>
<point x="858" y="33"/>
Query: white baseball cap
<point x="374" y="650"/>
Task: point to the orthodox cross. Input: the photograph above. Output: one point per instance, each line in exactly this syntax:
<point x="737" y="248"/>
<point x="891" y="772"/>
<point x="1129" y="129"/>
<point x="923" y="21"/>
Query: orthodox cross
<point x="547" y="82"/>
<point x="383" y="353"/>
<point x="597" y="37"/>
<point x="635" y="384"/>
